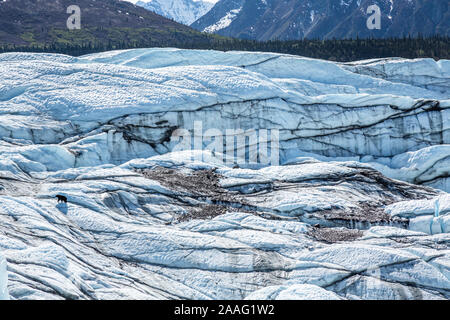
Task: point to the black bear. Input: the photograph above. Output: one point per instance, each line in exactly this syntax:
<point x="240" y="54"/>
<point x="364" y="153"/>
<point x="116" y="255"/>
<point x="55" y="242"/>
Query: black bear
<point x="61" y="198"/>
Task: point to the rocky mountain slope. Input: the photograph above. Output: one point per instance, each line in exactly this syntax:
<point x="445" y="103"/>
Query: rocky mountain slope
<point x="182" y="11"/>
<point x="357" y="208"/>
<point x="324" y="19"/>
<point x="26" y="22"/>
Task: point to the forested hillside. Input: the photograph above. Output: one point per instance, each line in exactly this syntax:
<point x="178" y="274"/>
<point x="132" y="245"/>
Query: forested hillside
<point x="335" y="50"/>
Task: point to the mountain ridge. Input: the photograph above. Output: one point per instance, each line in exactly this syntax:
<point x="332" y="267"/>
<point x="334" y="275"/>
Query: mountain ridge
<point x="326" y="19"/>
<point x="36" y="23"/>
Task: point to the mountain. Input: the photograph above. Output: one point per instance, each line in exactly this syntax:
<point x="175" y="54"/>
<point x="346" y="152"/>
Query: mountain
<point x="352" y="211"/>
<point x="38" y="22"/>
<point x="220" y="17"/>
<point x="324" y="19"/>
<point x="183" y="11"/>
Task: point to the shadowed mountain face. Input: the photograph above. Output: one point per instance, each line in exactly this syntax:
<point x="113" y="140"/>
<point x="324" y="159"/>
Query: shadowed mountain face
<point x="325" y="19"/>
<point x="25" y="22"/>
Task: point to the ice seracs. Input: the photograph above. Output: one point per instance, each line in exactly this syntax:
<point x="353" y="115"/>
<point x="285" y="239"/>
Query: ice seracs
<point x="116" y="106"/>
<point x="349" y="213"/>
<point x="147" y="228"/>
<point x="428" y="216"/>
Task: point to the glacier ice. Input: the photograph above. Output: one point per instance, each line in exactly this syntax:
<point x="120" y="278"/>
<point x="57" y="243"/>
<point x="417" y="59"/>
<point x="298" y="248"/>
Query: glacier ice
<point x="350" y="212"/>
<point x="123" y="233"/>
<point x="294" y="292"/>
<point x="383" y="112"/>
<point x="3" y="279"/>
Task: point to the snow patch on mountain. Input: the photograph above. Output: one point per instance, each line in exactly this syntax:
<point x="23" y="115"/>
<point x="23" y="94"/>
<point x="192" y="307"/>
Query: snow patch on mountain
<point x="293" y="20"/>
<point x="224" y="22"/>
<point x="183" y="11"/>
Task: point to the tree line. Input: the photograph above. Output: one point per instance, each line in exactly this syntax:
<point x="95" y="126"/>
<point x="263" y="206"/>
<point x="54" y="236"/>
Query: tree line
<point x="436" y="47"/>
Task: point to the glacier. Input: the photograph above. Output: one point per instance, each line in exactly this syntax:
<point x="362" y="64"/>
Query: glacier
<point x="3" y="280"/>
<point x="358" y="207"/>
